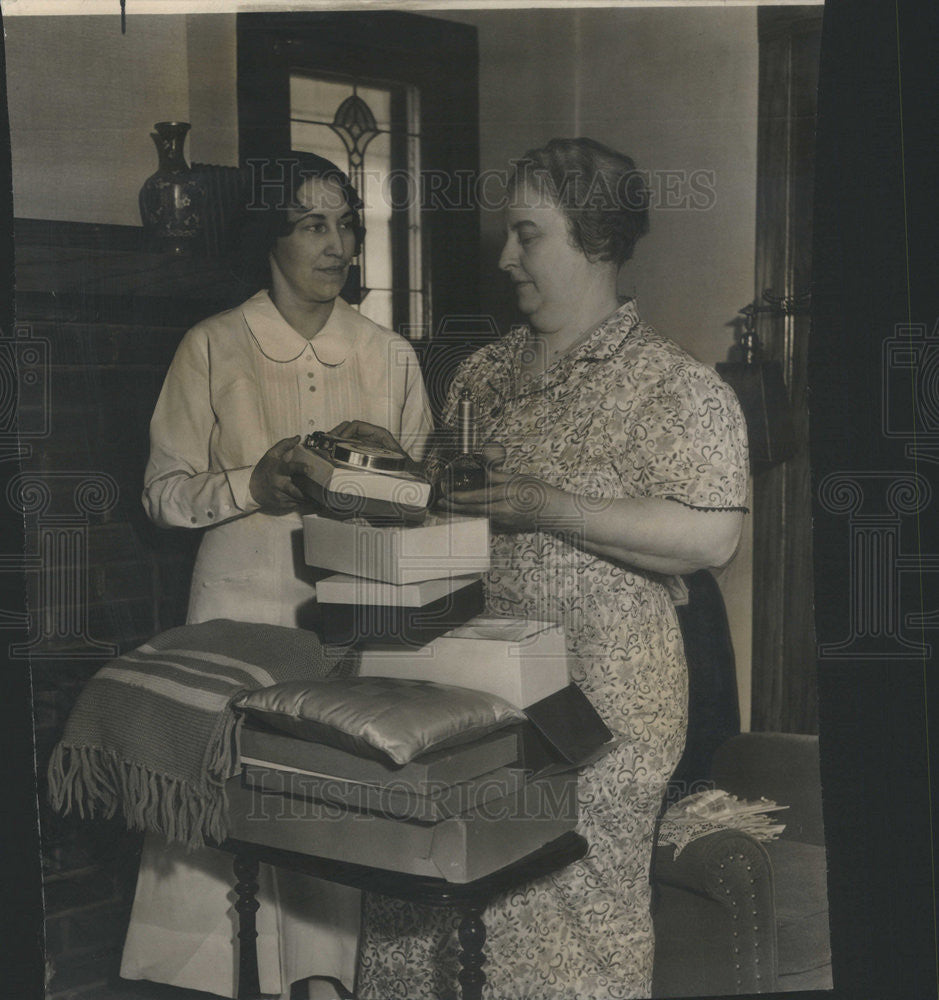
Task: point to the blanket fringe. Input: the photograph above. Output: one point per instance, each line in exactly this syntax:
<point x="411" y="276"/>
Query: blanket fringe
<point x="172" y="782"/>
<point x="94" y="781"/>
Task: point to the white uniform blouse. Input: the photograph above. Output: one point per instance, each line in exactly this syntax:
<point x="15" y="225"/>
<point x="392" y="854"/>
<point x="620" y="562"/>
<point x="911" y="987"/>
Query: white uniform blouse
<point x="240" y="381"/>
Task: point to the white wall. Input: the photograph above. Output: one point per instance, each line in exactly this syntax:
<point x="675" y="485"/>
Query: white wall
<point x="213" y="96"/>
<point x="83" y="99"/>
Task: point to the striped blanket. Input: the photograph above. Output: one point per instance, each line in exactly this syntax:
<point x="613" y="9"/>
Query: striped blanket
<point x="153" y="734"/>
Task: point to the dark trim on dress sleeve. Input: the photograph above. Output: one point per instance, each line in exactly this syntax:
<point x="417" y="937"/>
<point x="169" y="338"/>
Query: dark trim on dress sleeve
<point x="694" y="506"/>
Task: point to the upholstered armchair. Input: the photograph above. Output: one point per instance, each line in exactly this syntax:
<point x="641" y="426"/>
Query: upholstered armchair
<point x="733" y="915"/>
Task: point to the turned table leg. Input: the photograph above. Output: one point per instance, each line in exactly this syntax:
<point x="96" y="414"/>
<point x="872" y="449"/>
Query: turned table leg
<point x="246" y="905"/>
<point x="472" y="934"/>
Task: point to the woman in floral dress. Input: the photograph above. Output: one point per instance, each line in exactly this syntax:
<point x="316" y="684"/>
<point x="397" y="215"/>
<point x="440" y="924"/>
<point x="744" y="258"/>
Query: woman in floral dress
<point x="625" y="468"/>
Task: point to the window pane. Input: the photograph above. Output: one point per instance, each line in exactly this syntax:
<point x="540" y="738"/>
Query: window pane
<point x="377" y="307"/>
<point x="319" y="99"/>
<point x="379" y="101"/>
<point x="320" y="139"/>
<point x="417" y="311"/>
<point x="316" y="99"/>
<point x="378" y="247"/>
<point x="417" y="330"/>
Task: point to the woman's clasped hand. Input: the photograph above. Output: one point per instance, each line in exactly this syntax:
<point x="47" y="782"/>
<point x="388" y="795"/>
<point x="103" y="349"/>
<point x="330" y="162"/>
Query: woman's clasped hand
<point x="271" y="482"/>
<point x="512" y="501"/>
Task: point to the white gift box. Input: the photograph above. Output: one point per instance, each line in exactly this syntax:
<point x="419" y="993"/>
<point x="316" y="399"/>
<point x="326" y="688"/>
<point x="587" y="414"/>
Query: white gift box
<point x="341" y="588"/>
<point x="459" y="849"/>
<point x="443" y="546"/>
<point x="518" y="659"/>
<point x="348" y="490"/>
<point x="400" y="800"/>
<point x="435" y="768"/>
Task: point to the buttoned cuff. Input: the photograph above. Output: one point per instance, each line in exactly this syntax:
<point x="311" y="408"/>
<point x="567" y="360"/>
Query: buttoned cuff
<point x="239" y="482"/>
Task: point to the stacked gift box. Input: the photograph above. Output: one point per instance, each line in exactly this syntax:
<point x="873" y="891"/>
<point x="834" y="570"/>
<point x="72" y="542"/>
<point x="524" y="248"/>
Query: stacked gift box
<point x="410" y="598"/>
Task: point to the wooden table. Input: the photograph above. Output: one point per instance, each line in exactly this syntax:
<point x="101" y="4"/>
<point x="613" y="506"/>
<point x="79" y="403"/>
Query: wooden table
<point x="470" y="898"/>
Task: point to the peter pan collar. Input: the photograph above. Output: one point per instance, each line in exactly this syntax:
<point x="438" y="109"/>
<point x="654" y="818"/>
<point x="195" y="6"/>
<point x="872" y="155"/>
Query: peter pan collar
<point x="278" y="341"/>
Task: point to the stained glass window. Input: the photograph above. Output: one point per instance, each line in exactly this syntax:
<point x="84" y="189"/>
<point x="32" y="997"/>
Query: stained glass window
<point x="372" y="130"/>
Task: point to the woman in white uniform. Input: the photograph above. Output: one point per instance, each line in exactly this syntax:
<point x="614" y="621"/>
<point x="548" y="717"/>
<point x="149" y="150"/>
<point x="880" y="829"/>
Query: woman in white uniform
<point x="242" y="388"/>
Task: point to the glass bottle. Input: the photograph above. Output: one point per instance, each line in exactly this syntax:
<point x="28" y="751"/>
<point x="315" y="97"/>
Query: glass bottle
<point x="465" y="471"/>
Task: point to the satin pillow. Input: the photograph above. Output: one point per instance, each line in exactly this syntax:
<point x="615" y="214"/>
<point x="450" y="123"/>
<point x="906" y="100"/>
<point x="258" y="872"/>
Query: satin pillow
<point x="378" y="717"/>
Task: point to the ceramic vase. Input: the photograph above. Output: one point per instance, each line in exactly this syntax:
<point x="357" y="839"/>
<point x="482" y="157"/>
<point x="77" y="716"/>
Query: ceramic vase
<point x="172" y="200"/>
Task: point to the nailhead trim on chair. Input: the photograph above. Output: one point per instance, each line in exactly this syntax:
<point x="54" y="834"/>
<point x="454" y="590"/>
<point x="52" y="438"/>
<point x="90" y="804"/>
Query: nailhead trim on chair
<point x="732" y="869"/>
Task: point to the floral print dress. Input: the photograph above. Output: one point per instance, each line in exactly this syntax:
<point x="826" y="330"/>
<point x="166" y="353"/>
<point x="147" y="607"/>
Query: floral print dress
<point x="626" y="414"/>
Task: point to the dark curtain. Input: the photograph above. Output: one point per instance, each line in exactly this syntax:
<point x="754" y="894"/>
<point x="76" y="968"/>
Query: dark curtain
<point x="875" y="252"/>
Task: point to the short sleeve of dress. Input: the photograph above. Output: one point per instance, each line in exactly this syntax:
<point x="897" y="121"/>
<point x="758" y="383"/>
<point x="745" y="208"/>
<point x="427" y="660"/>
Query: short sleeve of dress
<point x="684" y="438"/>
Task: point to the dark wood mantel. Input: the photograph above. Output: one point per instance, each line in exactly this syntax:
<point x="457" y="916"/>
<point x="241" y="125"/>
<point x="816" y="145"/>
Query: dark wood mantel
<point x="77" y="270"/>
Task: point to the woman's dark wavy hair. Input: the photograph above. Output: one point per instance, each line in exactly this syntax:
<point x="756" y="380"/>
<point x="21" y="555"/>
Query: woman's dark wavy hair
<point x="272" y="191"/>
<point x="603" y="195"/>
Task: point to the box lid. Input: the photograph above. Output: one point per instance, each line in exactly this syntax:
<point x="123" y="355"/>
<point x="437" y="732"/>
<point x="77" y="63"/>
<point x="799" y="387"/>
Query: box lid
<point x="501" y="629"/>
<point x="570" y="724"/>
<point x="269" y="748"/>
<point x="342" y="588"/>
<point x="442" y="546"/>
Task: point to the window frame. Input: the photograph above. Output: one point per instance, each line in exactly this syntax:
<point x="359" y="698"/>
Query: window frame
<point x="404" y="280"/>
<point x="397" y="47"/>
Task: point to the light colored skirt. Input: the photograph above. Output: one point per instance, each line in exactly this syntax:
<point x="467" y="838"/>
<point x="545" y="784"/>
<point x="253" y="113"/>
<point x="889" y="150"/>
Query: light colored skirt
<point x="184" y="929"/>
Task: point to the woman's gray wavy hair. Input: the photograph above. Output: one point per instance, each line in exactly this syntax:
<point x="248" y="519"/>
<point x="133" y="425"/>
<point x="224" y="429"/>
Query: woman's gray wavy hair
<point x="603" y="195"/>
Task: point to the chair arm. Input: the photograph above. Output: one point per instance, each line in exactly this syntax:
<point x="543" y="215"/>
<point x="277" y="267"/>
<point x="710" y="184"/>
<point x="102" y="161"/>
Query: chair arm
<point x="779" y="766"/>
<point x="733" y="870"/>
